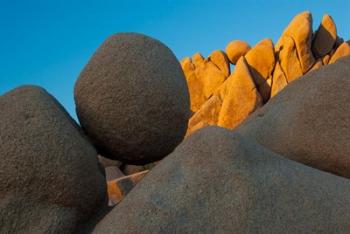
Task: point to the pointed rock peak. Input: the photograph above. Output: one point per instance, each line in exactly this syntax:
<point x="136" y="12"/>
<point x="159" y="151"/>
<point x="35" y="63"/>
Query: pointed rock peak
<point x="325" y="37"/>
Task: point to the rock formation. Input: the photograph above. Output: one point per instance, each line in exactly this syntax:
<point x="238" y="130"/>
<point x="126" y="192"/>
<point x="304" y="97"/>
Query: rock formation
<point x="127" y="95"/>
<point x="49" y="176"/>
<point x="309" y="121"/>
<point x="217" y="181"/>
<point x="272" y="67"/>
<point x="277" y="160"/>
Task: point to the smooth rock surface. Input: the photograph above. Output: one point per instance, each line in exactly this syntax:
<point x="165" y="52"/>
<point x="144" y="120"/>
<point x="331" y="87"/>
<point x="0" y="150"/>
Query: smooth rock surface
<point x="50" y="181"/>
<point x="132" y="99"/>
<point x="235" y="49"/>
<point x="288" y="58"/>
<point x="309" y="120"/>
<point x="261" y="61"/>
<point x="219" y="182"/>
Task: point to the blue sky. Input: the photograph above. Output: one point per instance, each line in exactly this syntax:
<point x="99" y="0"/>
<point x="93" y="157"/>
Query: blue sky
<point x="47" y="43"/>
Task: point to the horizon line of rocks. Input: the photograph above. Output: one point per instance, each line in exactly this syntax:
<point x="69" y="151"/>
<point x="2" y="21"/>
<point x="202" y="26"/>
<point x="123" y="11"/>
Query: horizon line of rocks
<point x="260" y="71"/>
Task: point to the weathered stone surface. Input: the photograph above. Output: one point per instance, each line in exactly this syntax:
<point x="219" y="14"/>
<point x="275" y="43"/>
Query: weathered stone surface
<point x="325" y="37"/>
<point x="300" y="29"/>
<point x="288" y="57"/>
<point x="219" y="182"/>
<point x="194" y="83"/>
<point x="261" y="61"/>
<point x="342" y="51"/>
<point x="235" y="49"/>
<point x="119" y="188"/>
<point x="210" y="76"/>
<point x="309" y="120"/>
<point x="49" y="176"/>
<point x="242" y="97"/>
<point x="219" y="58"/>
<point x="231" y="103"/>
<point x="279" y="80"/>
<point x="128" y="94"/>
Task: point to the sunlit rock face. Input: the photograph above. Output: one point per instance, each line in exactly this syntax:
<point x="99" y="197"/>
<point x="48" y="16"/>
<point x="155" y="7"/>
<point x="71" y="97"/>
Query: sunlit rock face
<point x="298" y="51"/>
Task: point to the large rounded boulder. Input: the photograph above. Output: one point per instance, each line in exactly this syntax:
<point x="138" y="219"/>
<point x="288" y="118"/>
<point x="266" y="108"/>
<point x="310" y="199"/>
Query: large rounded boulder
<point x="309" y="120"/>
<point x="132" y="99"/>
<point x="50" y="181"/>
<point x="217" y="181"/>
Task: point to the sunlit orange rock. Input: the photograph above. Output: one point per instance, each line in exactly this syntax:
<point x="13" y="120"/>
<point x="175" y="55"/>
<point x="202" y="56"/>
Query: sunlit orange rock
<point x="261" y="61"/>
<point x="325" y="37"/>
<point x="119" y="188"/>
<point x="231" y="103"/>
<point x="300" y="29"/>
<point x="279" y="80"/>
<point x="204" y="76"/>
<point x="325" y="59"/>
<point x="342" y="51"/>
<point x="288" y="57"/>
<point x="194" y="84"/>
<point x="235" y="49"/>
<point x="219" y="58"/>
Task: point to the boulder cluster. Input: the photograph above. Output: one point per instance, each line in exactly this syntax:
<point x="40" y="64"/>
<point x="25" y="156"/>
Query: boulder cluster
<point x="267" y="146"/>
<point x="223" y="98"/>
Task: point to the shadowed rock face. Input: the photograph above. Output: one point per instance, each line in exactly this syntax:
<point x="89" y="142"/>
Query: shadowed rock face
<point x="49" y="177"/>
<point x="309" y="121"/>
<point x="132" y="99"/>
<point x="325" y="37"/>
<point x="217" y="181"/>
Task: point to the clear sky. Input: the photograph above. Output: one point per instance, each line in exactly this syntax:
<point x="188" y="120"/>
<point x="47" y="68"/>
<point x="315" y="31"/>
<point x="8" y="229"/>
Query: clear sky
<point x="48" y="42"/>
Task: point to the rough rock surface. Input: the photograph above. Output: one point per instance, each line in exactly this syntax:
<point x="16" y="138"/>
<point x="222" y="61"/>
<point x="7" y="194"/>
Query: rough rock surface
<point x="309" y="120"/>
<point x="127" y="95"/>
<point x="49" y="176"/>
<point x="235" y="49"/>
<point x="231" y="103"/>
<point x="325" y="37"/>
<point x="300" y="30"/>
<point x="219" y="182"/>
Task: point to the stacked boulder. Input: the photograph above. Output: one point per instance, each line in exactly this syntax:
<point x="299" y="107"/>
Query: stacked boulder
<point x="246" y="180"/>
<point x="133" y="105"/>
<point x="285" y="166"/>
<point x="271" y="67"/>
